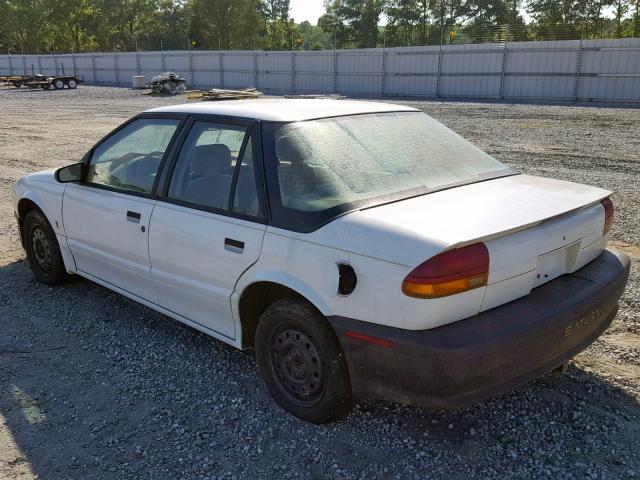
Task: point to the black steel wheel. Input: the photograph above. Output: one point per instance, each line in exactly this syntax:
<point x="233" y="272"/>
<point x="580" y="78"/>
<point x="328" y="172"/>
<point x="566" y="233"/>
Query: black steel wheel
<point x="295" y="360"/>
<point x="302" y="362"/>
<point x="43" y="251"/>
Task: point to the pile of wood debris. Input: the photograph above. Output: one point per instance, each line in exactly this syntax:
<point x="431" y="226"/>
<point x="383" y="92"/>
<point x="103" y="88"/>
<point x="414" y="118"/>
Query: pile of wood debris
<point x="220" y="94"/>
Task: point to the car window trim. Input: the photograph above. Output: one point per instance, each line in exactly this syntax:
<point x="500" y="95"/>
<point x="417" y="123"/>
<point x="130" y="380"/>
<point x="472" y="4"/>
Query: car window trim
<point x="236" y="168"/>
<point x="167" y="153"/>
<point x="163" y="186"/>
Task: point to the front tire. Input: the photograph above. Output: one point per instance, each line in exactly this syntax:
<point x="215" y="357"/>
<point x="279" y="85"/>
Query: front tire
<point x="302" y="363"/>
<point x="43" y="251"/>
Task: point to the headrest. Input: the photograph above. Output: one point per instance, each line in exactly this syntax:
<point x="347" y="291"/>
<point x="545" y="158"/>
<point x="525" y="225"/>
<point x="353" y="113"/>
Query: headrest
<point x="290" y="150"/>
<point x="210" y="159"/>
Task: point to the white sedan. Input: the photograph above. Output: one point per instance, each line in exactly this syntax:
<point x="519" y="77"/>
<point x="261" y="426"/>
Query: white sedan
<point x="362" y="249"/>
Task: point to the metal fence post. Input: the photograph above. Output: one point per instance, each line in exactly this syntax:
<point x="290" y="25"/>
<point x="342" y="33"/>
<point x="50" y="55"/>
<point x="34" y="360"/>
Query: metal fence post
<point x="162" y="57"/>
<point x="439" y="72"/>
<point x="10" y="65"/>
<point x="383" y="64"/>
<point x="55" y="62"/>
<point x="255" y="68"/>
<point x="335" y="65"/>
<point x="221" y="68"/>
<point x="73" y="65"/>
<point x="137" y="62"/>
<point x="576" y="85"/>
<point x="504" y="63"/>
<point x="115" y="66"/>
<point x="191" y="76"/>
<point x="93" y="66"/>
<point x="39" y="64"/>
<point x="24" y="64"/>
<point x="293" y="71"/>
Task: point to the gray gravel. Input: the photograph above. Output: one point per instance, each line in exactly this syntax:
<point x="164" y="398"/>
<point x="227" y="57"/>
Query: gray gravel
<point x="93" y="385"/>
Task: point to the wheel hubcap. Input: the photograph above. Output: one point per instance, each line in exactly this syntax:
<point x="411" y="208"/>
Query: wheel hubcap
<point x="41" y="249"/>
<point x="297" y="365"/>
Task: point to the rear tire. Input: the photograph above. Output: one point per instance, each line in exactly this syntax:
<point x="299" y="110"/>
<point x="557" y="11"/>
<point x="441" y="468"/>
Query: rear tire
<point x="58" y="84"/>
<point x="72" y="83"/>
<point x="302" y="363"/>
<point x="43" y="251"/>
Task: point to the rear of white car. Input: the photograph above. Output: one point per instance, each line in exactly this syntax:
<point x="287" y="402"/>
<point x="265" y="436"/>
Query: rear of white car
<point x="489" y="279"/>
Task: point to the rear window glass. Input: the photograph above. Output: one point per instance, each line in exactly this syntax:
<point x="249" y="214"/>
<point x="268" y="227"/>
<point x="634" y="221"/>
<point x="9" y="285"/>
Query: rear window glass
<point x="329" y="162"/>
<point x="325" y="164"/>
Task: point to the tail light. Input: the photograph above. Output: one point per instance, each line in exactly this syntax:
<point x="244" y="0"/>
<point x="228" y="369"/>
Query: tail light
<point x="608" y="214"/>
<point x="450" y="272"/>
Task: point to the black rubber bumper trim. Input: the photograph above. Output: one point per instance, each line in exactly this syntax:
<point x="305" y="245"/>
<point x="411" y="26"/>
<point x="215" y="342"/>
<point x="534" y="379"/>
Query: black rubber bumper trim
<point x="473" y="359"/>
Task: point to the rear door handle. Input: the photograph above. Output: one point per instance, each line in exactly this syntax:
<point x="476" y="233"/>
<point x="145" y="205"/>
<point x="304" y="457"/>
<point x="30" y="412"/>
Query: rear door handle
<point x="133" y="216"/>
<point x="233" y="245"/>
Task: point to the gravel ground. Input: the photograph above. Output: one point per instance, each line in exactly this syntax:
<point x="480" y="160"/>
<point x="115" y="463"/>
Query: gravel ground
<point x="93" y="385"/>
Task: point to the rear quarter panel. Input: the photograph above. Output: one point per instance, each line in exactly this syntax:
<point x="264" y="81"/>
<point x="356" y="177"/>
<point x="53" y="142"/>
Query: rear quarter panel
<point x="300" y="263"/>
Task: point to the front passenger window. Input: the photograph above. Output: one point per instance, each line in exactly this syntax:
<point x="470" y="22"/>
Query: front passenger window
<point x="129" y="159"/>
<point x="204" y="170"/>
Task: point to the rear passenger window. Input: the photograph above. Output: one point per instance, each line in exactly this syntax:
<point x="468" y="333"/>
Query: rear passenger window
<point x="204" y="170"/>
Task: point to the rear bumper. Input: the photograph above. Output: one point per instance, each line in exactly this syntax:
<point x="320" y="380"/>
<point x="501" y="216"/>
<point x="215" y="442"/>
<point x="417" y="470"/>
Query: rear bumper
<point x="476" y="358"/>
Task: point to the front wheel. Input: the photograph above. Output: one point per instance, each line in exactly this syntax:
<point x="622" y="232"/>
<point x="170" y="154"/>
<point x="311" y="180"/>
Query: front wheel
<point x="302" y="363"/>
<point x="43" y="251"/>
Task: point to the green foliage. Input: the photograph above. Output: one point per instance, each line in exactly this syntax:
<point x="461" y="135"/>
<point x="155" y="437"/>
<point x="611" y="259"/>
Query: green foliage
<point x="32" y="26"/>
<point x="356" y="21"/>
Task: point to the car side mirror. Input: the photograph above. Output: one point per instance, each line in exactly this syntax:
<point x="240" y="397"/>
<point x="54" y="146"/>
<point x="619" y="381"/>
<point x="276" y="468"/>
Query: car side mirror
<point x="70" y="173"/>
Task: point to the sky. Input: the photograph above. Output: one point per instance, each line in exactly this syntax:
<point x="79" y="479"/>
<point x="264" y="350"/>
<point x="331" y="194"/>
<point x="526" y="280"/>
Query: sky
<point x="310" y="10"/>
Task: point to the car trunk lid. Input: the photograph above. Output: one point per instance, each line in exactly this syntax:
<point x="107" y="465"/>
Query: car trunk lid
<point x="535" y="229"/>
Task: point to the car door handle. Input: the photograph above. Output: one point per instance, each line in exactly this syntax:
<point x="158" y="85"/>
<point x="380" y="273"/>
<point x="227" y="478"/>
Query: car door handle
<point x="233" y="245"/>
<point x="133" y="216"/>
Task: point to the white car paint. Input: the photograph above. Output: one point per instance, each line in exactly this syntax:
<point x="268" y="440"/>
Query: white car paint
<point x="181" y="268"/>
<point x="105" y="243"/>
<point x="284" y="110"/>
<point x="192" y="270"/>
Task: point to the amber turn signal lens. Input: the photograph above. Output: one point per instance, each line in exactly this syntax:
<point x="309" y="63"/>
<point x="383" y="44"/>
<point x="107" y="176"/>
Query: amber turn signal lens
<point x="448" y="273"/>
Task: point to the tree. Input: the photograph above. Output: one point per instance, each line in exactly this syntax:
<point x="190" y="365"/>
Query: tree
<point x="73" y="22"/>
<point x="313" y="37"/>
<point x="358" y="19"/>
<point x="280" y="32"/>
<point x="26" y="22"/>
<point x="621" y="7"/>
<point x="225" y="24"/>
<point x="408" y="22"/>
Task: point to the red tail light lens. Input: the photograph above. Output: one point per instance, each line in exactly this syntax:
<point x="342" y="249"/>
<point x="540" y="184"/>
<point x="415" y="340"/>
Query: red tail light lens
<point x="450" y="272"/>
<point x="608" y="214"/>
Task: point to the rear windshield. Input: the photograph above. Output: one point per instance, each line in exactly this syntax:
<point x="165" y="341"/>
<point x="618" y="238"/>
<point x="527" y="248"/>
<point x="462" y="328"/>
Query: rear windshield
<point x="324" y="167"/>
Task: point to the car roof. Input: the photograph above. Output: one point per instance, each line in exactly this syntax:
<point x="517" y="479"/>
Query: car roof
<point x="283" y="110"/>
